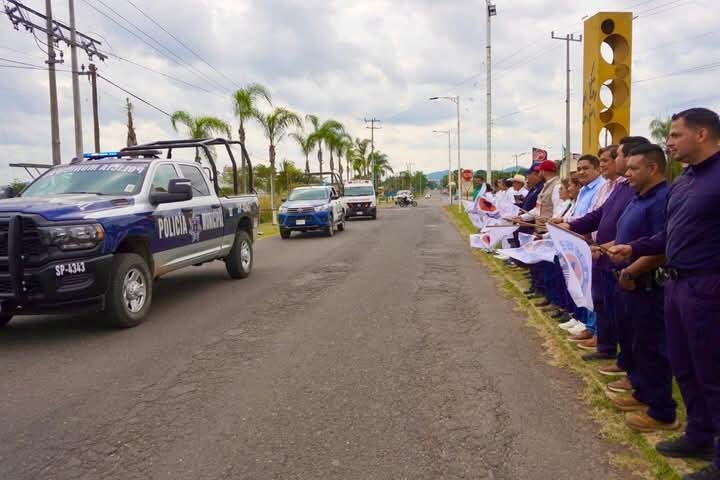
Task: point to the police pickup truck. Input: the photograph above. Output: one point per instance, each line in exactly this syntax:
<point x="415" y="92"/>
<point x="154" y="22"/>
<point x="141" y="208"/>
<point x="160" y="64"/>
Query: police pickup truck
<point x="96" y="233"/>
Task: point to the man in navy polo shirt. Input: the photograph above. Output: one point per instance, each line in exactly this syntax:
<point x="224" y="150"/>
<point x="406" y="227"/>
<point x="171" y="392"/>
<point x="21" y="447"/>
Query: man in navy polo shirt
<point x="691" y="244"/>
<point x="641" y="297"/>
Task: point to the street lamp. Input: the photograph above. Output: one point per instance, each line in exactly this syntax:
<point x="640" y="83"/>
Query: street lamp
<point x="491" y="12"/>
<point x="456" y="100"/>
<point x="449" y="162"/>
<point x="518" y="155"/>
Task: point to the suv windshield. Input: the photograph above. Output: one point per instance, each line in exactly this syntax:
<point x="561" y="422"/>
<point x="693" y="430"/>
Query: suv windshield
<point x="365" y="191"/>
<point x="309" y="194"/>
<point x="97" y="178"/>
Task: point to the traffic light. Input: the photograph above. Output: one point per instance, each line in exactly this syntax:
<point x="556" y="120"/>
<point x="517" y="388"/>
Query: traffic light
<point x="607" y="75"/>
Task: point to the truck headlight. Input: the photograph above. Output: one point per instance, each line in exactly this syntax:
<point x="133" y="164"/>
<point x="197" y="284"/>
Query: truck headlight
<point x="74" y="237"/>
<point x="322" y="208"/>
<point x="283" y="209"/>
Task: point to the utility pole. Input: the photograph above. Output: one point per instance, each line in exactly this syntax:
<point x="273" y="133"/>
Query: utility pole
<point x="568" y="151"/>
<point x="372" y="128"/>
<point x="54" y="115"/>
<point x="29" y="19"/>
<point x="92" y="74"/>
<point x="77" y="111"/>
<point x="491" y="12"/>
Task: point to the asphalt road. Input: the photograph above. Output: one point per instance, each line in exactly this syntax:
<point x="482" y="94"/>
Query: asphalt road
<point x="385" y="352"/>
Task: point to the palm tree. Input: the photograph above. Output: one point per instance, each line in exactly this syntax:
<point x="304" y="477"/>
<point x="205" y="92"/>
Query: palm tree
<point x="324" y="133"/>
<point x="200" y="127"/>
<point x="275" y="125"/>
<point x="380" y="164"/>
<point x="660" y="131"/>
<point x="342" y="145"/>
<point x="360" y="163"/>
<point x="306" y="144"/>
<point x="245" y="103"/>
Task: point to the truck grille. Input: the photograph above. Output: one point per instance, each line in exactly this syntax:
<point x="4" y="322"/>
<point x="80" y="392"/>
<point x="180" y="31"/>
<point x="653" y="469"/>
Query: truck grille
<point x="31" y="241"/>
<point x="302" y="210"/>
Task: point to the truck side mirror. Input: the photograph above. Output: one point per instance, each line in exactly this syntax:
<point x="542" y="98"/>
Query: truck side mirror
<point x="6" y="192"/>
<point x="283" y="200"/>
<point x="179" y="190"/>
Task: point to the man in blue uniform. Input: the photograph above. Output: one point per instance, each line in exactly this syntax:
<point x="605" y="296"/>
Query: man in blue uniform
<point x="691" y="244"/>
<point x="641" y="298"/>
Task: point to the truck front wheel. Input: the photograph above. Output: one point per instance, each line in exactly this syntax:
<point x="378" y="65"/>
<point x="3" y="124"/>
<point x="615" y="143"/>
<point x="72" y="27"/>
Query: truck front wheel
<point x="239" y="263"/>
<point x="130" y="293"/>
<point x="5" y="318"/>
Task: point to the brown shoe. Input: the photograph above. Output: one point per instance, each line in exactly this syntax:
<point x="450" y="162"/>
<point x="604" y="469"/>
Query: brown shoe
<point x="620" y="386"/>
<point x="642" y="422"/>
<point x="612" y="371"/>
<point x="589" y="345"/>
<point x="581" y="337"/>
<point x="626" y="403"/>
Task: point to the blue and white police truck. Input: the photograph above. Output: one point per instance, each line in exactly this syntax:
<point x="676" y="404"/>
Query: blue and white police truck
<point x="96" y="233"/>
<point x="312" y="208"/>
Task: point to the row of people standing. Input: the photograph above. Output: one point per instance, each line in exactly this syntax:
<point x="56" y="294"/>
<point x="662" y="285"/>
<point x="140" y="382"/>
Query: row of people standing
<point x="644" y="232"/>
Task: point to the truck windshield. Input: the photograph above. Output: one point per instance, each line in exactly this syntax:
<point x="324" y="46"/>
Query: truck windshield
<point x="308" y="194"/>
<point x="364" y="191"/>
<point x="98" y="178"/>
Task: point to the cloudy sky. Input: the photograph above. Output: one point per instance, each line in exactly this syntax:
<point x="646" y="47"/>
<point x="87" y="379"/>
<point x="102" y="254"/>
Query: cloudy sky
<point x="354" y="60"/>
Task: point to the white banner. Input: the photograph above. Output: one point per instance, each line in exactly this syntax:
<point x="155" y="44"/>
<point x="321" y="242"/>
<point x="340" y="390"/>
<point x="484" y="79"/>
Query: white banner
<point x="490" y="237"/>
<point x="576" y="262"/>
<point x="532" y="252"/>
<point x="525" y="238"/>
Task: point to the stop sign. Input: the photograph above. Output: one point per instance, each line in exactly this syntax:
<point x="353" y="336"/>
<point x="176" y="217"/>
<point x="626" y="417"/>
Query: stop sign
<point x="467" y="175"/>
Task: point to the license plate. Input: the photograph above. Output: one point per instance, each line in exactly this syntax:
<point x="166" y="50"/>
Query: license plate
<point x="300" y="221"/>
<point x="359" y="212"/>
<point x="69" y="269"/>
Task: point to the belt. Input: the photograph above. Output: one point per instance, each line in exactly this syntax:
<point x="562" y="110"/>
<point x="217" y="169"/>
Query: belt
<point x="672" y="273"/>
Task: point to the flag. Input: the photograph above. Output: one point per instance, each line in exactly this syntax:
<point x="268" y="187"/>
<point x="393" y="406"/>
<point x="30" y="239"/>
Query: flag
<point x="490" y="237"/>
<point x="538" y="156"/>
<point x="525" y="238"/>
<point x="576" y="262"/>
<point x="532" y="252"/>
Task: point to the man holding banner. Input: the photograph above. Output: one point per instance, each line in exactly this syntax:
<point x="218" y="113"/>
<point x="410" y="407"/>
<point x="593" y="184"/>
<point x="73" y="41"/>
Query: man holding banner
<point x="641" y="298"/>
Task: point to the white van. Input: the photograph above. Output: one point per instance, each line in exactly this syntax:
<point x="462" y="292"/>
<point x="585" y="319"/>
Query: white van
<point x="359" y="199"/>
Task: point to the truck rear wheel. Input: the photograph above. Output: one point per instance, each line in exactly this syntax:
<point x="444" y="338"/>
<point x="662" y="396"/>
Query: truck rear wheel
<point x="239" y="263"/>
<point x="130" y="293"/>
<point x="285" y="233"/>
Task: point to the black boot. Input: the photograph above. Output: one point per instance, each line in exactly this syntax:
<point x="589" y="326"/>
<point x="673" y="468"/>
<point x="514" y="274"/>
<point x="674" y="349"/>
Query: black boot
<point x="681" y="447"/>
<point x="708" y="473"/>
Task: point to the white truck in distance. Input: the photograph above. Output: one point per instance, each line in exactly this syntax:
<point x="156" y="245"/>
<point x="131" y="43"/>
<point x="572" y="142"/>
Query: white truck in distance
<point x="359" y="199"/>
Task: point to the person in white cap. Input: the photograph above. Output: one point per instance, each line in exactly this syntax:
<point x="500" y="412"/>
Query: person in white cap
<point x="517" y="192"/>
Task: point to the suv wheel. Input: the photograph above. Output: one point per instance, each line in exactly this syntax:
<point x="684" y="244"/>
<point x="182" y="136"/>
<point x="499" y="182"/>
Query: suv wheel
<point x="240" y="261"/>
<point x="285" y="233"/>
<point x="330" y="230"/>
<point x="130" y="293"/>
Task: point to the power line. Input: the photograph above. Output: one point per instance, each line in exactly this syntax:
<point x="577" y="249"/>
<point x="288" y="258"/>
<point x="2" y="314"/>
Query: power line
<point x="182" y="43"/>
<point x="177" y="60"/>
<point x="134" y="96"/>
<point x="697" y="68"/>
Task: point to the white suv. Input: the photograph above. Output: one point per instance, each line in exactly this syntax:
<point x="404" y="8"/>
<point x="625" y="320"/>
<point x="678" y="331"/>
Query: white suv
<point x="359" y="199"/>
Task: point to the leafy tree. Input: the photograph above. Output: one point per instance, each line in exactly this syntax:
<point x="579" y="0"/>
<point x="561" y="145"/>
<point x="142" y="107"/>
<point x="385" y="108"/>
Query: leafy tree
<point x="200" y="127"/>
<point x="322" y="134"/>
<point x="275" y="126"/>
<point x="660" y="131"/>
<point x="306" y="144"/>
<point x="245" y="104"/>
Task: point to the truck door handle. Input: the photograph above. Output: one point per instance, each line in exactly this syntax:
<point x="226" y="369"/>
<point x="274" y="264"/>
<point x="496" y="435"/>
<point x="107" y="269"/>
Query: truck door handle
<point x="217" y="205"/>
<point x="186" y="210"/>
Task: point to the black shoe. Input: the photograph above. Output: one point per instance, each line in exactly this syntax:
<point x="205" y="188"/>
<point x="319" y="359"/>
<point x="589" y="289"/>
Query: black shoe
<point x="529" y="291"/>
<point x="565" y="317"/>
<point x="542" y="303"/>
<point x="681" y="447"/>
<point x="593" y="356"/>
<point x="559" y="313"/>
<point x="710" y="472"/>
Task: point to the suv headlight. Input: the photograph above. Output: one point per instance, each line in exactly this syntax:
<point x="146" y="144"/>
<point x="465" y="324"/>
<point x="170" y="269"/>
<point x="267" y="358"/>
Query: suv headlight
<point x="322" y="208"/>
<point x="74" y="237"/>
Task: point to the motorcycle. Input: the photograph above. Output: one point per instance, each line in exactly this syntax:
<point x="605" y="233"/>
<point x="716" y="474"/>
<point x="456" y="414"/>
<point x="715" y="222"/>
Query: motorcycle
<point x="406" y="202"/>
